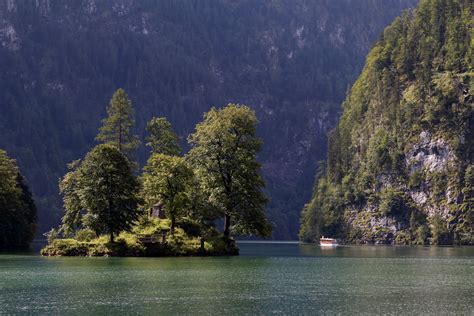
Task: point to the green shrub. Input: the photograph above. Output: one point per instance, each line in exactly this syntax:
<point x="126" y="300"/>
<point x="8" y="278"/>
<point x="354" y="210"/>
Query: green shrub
<point x="151" y="226"/>
<point x="85" y="235"/>
<point x="98" y="250"/>
<point x="382" y="235"/>
<point x="178" y="243"/>
<point x="415" y="180"/>
<point x="182" y="243"/>
<point x="191" y="227"/>
<point x="125" y="245"/>
<point x="391" y="202"/>
<point x="355" y="234"/>
<point x="223" y="246"/>
<point x="421" y="235"/>
<point x="439" y="183"/>
<point x="402" y="238"/>
<point x="439" y="231"/>
<point x="65" y="247"/>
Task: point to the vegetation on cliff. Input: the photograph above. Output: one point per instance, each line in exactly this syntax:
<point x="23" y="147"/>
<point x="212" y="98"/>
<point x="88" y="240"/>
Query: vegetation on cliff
<point x="400" y="161"/>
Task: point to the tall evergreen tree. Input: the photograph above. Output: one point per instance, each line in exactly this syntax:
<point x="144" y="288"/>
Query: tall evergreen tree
<point x="162" y="139"/>
<point x="224" y="155"/>
<point x="117" y="127"/>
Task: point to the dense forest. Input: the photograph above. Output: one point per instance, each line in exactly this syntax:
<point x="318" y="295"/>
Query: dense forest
<point x="400" y="162"/>
<point x="289" y="60"/>
<point x="17" y="208"/>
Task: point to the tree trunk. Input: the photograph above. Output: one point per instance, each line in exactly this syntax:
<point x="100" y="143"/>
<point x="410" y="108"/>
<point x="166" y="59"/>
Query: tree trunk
<point x="202" y="249"/>
<point x="120" y="133"/>
<point x="227" y="225"/>
<point x="111" y="237"/>
<point x="173" y="221"/>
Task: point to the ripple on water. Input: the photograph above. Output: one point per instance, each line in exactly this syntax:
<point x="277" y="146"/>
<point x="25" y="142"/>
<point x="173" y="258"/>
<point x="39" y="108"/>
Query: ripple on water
<point x="267" y="278"/>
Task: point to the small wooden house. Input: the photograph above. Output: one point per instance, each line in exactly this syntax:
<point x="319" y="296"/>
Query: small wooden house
<point x="158" y="211"/>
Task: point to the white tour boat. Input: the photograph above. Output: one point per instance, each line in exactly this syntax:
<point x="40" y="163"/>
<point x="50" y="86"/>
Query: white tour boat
<point x="327" y="242"/>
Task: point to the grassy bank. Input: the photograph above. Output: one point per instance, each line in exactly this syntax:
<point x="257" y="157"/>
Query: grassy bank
<point x="142" y="242"/>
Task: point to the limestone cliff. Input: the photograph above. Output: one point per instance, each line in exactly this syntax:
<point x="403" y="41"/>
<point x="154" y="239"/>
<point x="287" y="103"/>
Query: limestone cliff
<point x="400" y="162"/>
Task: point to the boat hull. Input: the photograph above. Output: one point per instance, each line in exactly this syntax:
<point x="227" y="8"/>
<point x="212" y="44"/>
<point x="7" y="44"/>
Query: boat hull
<point x="328" y="242"/>
<point x="328" y="245"/>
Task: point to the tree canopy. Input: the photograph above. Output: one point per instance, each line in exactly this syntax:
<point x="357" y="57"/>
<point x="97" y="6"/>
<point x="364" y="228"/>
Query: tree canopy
<point x="117" y="127"/>
<point x="162" y="139"/>
<point x="17" y="208"/>
<point x="167" y="180"/>
<point x="101" y="193"/>
<point x="224" y="149"/>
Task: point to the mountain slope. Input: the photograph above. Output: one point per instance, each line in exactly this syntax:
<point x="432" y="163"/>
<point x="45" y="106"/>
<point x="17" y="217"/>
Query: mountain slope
<point x="290" y="60"/>
<point x="400" y="162"/>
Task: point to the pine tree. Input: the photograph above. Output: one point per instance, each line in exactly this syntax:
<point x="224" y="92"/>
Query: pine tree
<point x="162" y="139"/>
<point x="116" y="128"/>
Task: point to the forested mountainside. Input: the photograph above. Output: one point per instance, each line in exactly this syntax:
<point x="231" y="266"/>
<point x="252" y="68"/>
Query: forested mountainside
<point x="400" y="162"/>
<point x="290" y="60"/>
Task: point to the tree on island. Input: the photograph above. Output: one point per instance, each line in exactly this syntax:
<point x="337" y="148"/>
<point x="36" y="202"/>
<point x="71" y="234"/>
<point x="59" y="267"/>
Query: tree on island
<point x="162" y="139"/>
<point x="166" y="179"/>
<point x="224" y="158"/>
<point x="17" y="208"/>
<point x="101" y="193"/>
<point x="116" y="128"/>
<point x="166" y="176"/>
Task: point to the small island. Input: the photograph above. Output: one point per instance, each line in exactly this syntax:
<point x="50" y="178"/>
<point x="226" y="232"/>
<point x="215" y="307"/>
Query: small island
<point x="172" y="207"/>
<point x="149" y="238"/>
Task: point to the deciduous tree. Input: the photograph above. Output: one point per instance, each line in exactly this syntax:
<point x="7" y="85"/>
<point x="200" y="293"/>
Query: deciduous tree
<point x="166" y="180"/>
<point x="224" y="157"/>
<point x="101" y="192"/>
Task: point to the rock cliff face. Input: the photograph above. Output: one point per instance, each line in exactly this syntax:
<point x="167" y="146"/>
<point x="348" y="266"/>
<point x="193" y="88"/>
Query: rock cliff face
<point x="291" y="60"/>
<point x="400" y="164"/>
<point x="426" y="158"/>
<point x="429" y="156"/>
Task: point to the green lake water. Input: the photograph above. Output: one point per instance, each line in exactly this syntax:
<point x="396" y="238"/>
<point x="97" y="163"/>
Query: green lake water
<point x="268" y="278"/>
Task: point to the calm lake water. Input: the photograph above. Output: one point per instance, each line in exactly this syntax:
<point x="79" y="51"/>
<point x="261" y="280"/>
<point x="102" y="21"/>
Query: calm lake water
<point x="268" y="278"/>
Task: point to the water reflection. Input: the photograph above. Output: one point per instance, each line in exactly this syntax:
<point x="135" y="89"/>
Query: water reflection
<point x="296" y="249"/>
